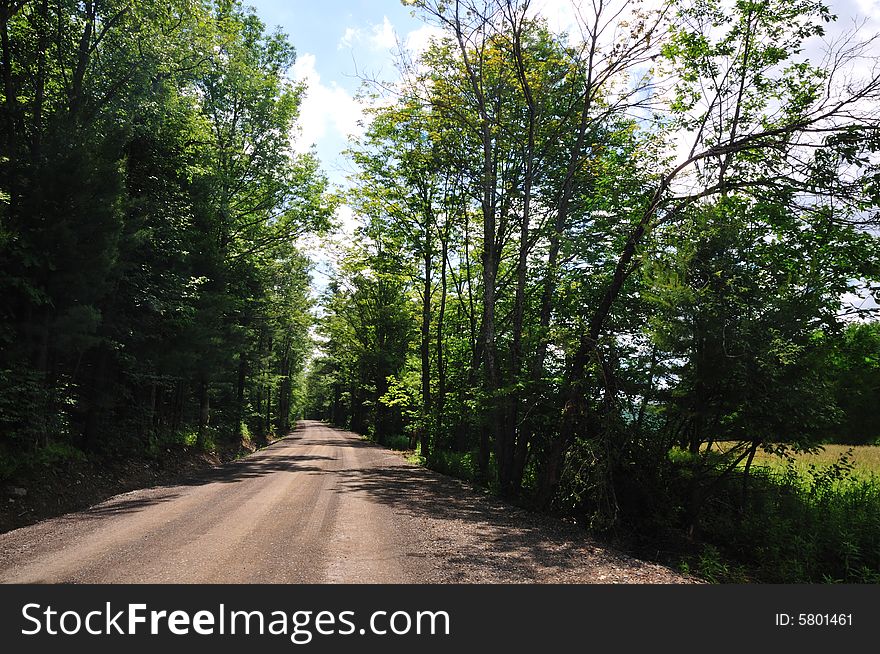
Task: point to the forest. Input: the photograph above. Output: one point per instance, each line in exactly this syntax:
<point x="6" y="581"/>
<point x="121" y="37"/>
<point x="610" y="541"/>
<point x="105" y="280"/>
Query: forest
<point x="603" y="274"/>
<point x="151" y="204"/>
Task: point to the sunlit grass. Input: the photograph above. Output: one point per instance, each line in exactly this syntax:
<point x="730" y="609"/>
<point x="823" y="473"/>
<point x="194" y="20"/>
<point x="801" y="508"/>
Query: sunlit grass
<point x="865" y="459"/>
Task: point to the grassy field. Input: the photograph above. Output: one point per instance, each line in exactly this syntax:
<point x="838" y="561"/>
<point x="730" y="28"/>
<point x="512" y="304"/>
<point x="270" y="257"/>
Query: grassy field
<point x="864" y="458"/>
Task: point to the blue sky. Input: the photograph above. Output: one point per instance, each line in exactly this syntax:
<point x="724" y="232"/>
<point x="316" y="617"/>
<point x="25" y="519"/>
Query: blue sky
<point x="337" y="42"/>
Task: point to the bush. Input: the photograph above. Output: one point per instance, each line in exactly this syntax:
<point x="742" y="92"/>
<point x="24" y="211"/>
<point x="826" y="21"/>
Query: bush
<point x="53" y="454"/>
<point x="820" y="525"/>
<point x="185" y="438"/>
<point x="455" y="464"/>
<point x="397" y="442"/>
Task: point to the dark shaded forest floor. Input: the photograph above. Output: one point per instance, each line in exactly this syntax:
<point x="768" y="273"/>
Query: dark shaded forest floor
<point x="45" y="491"/>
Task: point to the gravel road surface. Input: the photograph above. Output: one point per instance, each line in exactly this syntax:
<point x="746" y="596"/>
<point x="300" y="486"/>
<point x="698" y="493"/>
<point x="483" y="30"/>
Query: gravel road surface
<point x="320" y="506"/>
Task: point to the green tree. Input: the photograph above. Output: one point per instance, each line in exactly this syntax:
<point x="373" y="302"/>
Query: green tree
<point x="150" y="205"/>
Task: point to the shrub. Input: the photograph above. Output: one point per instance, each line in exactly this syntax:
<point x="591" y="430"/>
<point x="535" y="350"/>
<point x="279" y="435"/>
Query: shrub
<point x="397" y="442"/>
<point x="822" y="524"/>
<point x="455" y="464"/>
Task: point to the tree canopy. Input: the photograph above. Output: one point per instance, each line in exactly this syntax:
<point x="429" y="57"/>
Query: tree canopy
<point x="612" y="244"/>
<point x="151" y="204"/>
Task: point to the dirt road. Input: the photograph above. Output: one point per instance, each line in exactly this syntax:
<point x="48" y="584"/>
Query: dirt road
<point x="321" y="506"/>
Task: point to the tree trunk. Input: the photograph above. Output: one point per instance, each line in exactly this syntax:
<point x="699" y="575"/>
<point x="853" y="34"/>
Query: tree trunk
<point x="509" y="473"/>
<point x="491" y="423"/>
<point x="241" y="382"/>
<point x="381" y="418"/>
<point x="425" y="431"/>
<point x="10" y="109"/>
<point x="573" y="418"/>
<point x="40" y="82"/>
<point x="268" y="411"/>
<point x="483" y="454"/>
<point x="268" y="424"/>
<point x="588" y="347"/>
<point x="147" y="424"/>
<point x="357" y="423"/>
<point x="753" y="449"/>
<point x="258" y="426"/>
<point x="285" y="391"/>
<point x="335" y="416"/>
<point x="94" y="397"/>
<point x="204" y="412"/>
<point x="515" y="442"/>
<point x="177" y="408"/>
<point x="440" y="400"/>
<point x="75" y="99"/>
<point x="158" y="406"/>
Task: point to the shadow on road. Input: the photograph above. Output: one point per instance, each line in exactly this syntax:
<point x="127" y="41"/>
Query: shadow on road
<point x="503" y="540"/>
<point x="348" y="441"/>
<point x="124" y="506"/>
<point x="257" y="466"/>
<point x="260" y="465"/>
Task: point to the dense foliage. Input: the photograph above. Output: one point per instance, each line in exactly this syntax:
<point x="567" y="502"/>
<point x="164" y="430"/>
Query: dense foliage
<point x="150" y="203"/>
<point x="601" y="271"/>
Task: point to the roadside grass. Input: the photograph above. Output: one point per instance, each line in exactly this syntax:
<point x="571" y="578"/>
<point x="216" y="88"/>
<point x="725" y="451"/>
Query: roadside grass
<point x="157" y="446"/>
<point x="461" y="465"/>
<point x="53" y="454"/>
<point x="397" y="442"/>
<point x="456" y="464"/>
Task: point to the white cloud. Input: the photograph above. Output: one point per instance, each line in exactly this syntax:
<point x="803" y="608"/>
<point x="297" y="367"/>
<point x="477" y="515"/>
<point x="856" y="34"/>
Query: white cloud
<point x="351" y="36"/>
<point x="383" y="36"/>
<point x="869" y="8"/>
<point x="324" y="107"/>
<point x="418" y="40"/>
<point x="561" y="15"/>
<point x="347" y="220"/>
